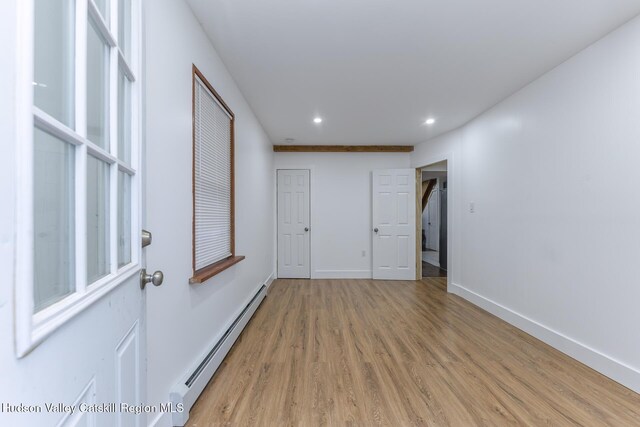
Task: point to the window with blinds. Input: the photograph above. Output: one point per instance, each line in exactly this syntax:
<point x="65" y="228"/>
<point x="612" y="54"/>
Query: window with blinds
<point x="213" y="217"/>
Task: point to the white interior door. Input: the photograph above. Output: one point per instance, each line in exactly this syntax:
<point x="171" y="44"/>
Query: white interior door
<point x="294" y="228"/>
<point x="394" y="224"/>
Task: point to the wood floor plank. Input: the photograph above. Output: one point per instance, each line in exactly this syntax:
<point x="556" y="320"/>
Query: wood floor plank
<point x="363" y="353"/>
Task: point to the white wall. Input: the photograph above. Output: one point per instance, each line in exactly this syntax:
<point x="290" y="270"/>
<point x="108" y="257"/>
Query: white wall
<point x="185" y="320"/>
<point x="554" y="244"/>
<point x="341" y="208"/>
<point x="433" y="169"/>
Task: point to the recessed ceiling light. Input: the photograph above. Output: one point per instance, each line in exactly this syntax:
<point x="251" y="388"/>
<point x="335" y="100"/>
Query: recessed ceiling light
<point x="430" y="121"/>
<point x="317" y="120"/>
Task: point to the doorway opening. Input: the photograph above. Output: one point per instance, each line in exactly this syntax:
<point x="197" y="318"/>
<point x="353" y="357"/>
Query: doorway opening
<point x="433" y="221"/>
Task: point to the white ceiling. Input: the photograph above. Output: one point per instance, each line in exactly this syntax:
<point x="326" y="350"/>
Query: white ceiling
<point x="374" y="70"/>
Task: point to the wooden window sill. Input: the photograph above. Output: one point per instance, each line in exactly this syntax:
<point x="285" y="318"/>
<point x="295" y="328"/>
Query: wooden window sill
<point x="207" y="273"/>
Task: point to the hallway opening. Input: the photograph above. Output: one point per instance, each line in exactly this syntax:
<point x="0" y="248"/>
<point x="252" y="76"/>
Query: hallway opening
<point x="433" y="219"/>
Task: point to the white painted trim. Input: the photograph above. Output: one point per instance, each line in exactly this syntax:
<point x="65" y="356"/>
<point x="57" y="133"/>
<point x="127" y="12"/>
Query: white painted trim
<point x="607" y="365"/>
<point x="87" y="396"/>
<point x="270" y="280"/>
<point x="133" y="334"/>
<point x="111" y="156"/>
<point x="341" y="274"/>
<point x="163" y="419"/>
<point x="122" y="63"/>
<point x="138" y="205"/>
<point x="137" y="181"/>
<point x="81" y="218"/>
<point x="80" y="86"/>
<point x="102" y="27"/>
<point x="47" y="123"/>
<point x="80" y="105"/>
<point x="122" y="167"/>
<point x="100" y="153"/>
<point x="187" y="396"/>
<point x="23" y="295"/>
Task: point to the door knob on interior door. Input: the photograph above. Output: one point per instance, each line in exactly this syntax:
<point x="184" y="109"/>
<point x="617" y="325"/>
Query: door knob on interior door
<point x="156" y="278"/>
<point x="306" y="229"/>
<point x="375" y="230"/>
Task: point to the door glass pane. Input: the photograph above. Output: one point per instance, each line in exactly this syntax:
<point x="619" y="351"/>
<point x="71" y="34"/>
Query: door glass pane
<point x="97" y="88"/>
<point x="124" y="28"/>
<point x="124" y="117"/>
<point x="54" y="59"/>
<point x="103" y="7"/>
<point x="54" y="207"/>
<point x="97" y="219"/>
<point x="124" y="219"/>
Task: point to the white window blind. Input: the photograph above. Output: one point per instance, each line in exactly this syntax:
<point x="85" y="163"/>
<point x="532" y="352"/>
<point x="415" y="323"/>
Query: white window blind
<point x="212" y="172"/>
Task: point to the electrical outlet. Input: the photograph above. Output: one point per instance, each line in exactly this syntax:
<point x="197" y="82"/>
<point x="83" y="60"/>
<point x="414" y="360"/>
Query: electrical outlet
<point x="364" y="253"/>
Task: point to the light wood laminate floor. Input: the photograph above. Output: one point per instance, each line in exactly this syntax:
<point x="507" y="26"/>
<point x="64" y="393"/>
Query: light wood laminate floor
<point x="363" y="352"/>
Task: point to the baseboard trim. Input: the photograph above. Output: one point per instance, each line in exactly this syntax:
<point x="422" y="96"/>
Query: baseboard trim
<point x="270" y="281"/>
<point x="161" y="420"/>
<point x="341" y="274"/>
<point x="608" y="366"/>
<point x="193" y="382"/>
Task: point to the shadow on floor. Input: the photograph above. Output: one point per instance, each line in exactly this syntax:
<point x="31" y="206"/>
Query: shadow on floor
<point x="430" y="270"/>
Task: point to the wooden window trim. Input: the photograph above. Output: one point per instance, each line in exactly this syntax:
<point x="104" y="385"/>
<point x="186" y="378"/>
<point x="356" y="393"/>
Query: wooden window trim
<point x="203" y="274"/>
<point x="208" y="272"/>
<point x="343" y="148"/>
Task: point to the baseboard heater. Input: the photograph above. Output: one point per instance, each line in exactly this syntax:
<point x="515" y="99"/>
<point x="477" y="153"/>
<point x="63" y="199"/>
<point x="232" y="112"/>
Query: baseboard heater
<point x="188" y="390"/>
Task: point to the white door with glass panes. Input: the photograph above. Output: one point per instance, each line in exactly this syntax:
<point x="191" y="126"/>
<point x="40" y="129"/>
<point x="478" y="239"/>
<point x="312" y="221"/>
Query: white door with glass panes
<point x="79" y="319"/>
<point x="394" y="224"/>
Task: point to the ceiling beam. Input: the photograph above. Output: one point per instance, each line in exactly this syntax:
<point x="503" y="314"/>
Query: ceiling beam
<point x="426" y="191"/>
<point x="343" y="148"/>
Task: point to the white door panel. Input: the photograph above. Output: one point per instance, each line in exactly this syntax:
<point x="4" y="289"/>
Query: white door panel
<point x="394" y="210"/>
<point x="97" y="357"/>
<point x="293" y="224"/>
<point x="79" y="331"/>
